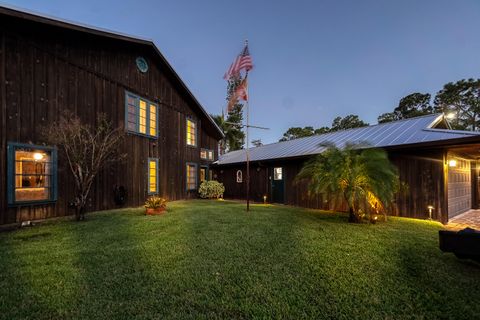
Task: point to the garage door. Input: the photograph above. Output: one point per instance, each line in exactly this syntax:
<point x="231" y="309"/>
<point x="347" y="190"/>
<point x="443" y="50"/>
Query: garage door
<point x="459" y="187"/>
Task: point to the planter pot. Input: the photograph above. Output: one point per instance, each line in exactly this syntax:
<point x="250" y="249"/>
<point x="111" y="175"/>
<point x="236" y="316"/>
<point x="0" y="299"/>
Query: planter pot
<point x="154" y="211"/>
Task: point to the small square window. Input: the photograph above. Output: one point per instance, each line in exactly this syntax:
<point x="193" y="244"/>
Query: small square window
<point x="277" y="173"/>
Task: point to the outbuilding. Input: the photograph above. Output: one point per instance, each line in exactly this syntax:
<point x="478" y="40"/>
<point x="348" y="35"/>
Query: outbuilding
<point x="439" y="165"/>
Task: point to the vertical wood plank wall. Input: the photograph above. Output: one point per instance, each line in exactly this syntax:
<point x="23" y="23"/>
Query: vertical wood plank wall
<point x="421" y="171"/>
<point x="45" y="70"/>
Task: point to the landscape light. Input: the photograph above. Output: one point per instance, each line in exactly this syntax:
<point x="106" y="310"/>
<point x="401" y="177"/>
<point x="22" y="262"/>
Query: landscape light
<point x="37" y="156"/>
<point x="452" y="163"/>
<point x="265" y="199"/>
<point x="430" y="209"/>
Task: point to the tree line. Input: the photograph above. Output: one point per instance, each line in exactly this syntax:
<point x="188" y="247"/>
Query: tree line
<point x="461" y="99"/>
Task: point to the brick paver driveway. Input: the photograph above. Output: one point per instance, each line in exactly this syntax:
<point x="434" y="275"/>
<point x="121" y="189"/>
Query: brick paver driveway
<point x="469" y="219"/>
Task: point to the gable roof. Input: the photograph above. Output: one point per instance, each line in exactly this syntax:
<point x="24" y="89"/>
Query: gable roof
<point x="65" y="24"/>
<point x="407" y="132"/>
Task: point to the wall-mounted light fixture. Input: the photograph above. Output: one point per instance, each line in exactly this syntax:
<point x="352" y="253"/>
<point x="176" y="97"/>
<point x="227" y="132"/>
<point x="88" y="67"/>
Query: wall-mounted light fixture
<point x="452" y="163"/>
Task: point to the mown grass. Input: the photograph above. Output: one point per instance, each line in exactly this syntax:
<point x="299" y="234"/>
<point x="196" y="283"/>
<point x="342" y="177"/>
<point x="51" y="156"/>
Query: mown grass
<point x="209" y="259"/>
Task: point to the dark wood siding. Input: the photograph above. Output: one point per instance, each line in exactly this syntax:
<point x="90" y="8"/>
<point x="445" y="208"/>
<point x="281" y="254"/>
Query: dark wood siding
<point x="421" y="171"/>
<point x="46" y="69"/>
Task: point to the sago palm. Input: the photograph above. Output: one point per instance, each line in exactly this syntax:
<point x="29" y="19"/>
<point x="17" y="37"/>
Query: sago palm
<point x="355" y="174"/>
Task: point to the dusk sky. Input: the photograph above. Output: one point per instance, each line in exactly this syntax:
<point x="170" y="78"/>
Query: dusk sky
<point x="314" y="60"/>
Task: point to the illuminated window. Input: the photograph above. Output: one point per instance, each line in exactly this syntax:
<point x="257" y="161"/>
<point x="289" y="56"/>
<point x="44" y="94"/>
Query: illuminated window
<point x="206" y="154"/>
<point x="152" y="176"/>
<point x="203" y="174"/>
<point x="191" y="176"/>
<point x="277" y="173"/>
<point x="153" y="120"/>
<point x="191" y="133"/>
<point x="32" y="172"/>
<point x="141" y="115"/>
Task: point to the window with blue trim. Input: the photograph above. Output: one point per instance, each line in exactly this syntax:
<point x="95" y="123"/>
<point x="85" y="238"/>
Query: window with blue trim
<point x="152" y="176"/>
<point x="141" y="115"/>
<point x="31" y="174"/>
<point x="191" y="176"/>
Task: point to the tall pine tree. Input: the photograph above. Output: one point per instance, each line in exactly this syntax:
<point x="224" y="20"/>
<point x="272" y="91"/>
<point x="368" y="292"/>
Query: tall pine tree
<point x="232" y="125"/>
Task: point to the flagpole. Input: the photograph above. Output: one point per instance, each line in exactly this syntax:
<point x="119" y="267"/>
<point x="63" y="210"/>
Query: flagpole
<point x="248" y="149"/>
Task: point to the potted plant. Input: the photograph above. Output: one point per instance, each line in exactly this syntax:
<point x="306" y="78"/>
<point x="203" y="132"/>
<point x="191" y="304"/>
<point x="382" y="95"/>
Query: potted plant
<point x="155" y="205"/>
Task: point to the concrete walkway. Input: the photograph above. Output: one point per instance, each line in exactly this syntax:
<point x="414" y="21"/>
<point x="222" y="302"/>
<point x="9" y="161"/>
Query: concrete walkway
<point x="470" y="219"/>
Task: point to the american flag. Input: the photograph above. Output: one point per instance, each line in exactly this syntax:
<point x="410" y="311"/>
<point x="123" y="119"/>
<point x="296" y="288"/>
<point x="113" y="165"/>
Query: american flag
<point x="240" y="93"/>
<point x="243" y="61"/>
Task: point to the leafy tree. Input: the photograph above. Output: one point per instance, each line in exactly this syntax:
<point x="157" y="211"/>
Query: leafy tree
<point x="339" y="123"/>
<point x="322" y="130"/>
<point x="231" y="126"/>
<point x="412" y="105"/>
<point x="356" y="176"/>
<point x="87" y="150"/>
<point x="257" y="142"/>
<point x="220" y="121"/>
<point x="463" y="99"/>
<point x="348" y="122"/>
<point x="236" y="137"/>
<point x="387" y="117"/>
<point x="297" y="132"/>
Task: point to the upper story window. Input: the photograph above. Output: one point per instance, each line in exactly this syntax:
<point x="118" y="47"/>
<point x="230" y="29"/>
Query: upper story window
<point x="141" y="115"/>
<point x="206" y="154"/>
<point x="31" y="174"/>
<point x="191" y="132"/>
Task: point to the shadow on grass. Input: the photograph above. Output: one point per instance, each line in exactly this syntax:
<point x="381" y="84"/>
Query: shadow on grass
<point x="430" y="283"/>
<point x="18" y="297"/>
<point x="117" y="284"/>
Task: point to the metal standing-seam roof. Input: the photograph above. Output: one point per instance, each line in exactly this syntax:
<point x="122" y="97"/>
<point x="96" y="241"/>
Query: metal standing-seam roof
<point x="403" y="132"/>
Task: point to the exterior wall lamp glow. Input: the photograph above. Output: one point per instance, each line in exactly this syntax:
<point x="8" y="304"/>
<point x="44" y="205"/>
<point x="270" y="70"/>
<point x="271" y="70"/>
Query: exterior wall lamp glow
<point x="452" y="163"/>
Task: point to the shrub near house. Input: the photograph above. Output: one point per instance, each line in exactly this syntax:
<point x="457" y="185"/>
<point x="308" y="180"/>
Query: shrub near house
<point x="211" y="190"/>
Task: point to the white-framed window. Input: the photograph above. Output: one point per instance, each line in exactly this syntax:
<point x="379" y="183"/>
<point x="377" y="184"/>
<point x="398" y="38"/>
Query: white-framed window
<point x="278" y="173"/>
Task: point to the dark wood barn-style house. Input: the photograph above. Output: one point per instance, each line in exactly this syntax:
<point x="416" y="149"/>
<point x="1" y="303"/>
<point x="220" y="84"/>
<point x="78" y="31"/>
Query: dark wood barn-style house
<point x="47" y="66"/>
<point x="439" y="165"/>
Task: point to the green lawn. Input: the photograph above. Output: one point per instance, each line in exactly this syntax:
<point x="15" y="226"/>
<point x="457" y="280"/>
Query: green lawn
<point x="209" y="259"/>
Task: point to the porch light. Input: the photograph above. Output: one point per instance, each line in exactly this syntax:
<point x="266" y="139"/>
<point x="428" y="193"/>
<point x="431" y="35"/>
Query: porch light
<point x="452" y="163"/>
<point x="451" y="116"/>
<point x="430" y="209"/>
<point x="37" y="156"/>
